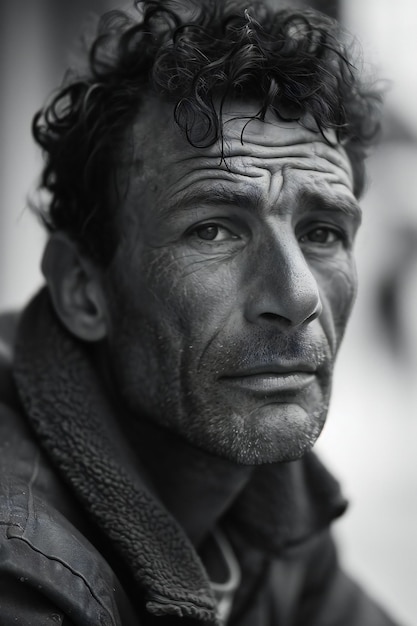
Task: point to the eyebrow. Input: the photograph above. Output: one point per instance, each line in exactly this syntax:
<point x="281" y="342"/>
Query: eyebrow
<point x="340" y="203"/>
<point x="249" y="199"/>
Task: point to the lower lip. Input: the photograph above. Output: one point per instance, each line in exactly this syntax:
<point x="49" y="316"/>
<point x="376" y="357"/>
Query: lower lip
<point x="272" y="383"/>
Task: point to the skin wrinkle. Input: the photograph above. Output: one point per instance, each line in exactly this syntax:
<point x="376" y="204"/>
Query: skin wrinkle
<point x="260" y="150"/>
<point x="277" y="189"/>
<point x="328" y="157"/>
<point x="270" y="169"/>
<point x="273" y="156"/>
<point x="251" y="146"/>
<point x="278" y="154"/>
<point x="207" y="347"/>
<point x="348" y="287"/>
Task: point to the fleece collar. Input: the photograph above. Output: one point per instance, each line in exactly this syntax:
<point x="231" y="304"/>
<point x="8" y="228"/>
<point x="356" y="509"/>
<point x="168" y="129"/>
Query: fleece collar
<point x="282" y="506"/>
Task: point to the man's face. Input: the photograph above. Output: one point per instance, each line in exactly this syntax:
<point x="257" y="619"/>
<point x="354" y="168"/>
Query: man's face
<point x="232" y="285"/>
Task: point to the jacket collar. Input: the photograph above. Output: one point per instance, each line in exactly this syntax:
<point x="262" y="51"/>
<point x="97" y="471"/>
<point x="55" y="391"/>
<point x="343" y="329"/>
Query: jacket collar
<point x="282" y="506"/>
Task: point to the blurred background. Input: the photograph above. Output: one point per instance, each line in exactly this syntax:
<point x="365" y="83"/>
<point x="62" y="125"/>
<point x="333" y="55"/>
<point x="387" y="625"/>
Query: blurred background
<point x="370" y="438"/>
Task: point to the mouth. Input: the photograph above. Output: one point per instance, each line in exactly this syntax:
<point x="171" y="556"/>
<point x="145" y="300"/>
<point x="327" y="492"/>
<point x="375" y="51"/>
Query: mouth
<point x="271" y="383"/>
<point x="273" y="379"/>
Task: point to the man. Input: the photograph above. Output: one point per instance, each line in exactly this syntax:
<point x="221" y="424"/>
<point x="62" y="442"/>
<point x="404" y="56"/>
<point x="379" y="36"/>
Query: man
<point x="173" y="376"/>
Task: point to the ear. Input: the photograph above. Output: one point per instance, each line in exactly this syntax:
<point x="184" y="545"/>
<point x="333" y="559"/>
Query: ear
<point x="75" y="288"/>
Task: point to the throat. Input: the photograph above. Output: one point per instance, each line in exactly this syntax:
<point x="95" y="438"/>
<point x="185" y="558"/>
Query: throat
<point x="195" y="487"/>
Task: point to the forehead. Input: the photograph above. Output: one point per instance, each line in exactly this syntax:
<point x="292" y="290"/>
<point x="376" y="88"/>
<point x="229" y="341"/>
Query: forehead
<point x="267" y="157"/>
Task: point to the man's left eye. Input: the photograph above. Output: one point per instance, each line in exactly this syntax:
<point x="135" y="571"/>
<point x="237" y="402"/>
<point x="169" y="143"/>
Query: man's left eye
<point x="213" y="232"/>
<point x="322" y="235"/>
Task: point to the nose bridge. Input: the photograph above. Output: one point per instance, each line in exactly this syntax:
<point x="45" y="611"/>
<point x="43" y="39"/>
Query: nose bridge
<point x="282" y="286"/>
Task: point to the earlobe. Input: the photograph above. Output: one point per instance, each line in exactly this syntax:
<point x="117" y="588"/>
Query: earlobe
<point x="75" y="288"/>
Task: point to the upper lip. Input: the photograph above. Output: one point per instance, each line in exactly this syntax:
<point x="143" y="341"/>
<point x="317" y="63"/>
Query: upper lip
<point x="272" y="368"/>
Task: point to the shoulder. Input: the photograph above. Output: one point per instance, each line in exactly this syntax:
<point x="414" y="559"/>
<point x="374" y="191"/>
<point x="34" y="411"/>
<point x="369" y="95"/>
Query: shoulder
<point x="46" y="563"/>
<point x="48" y="568"/>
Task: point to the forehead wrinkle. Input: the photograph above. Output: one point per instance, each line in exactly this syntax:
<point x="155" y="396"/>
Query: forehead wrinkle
<point x="258" y="156"/>
<point x="318" y="192"/>
<point x="336" y="155"/>
<point x="246" y="129"/>
<point x="275" y="186"/>
<point x="332" y="176"/>
<point x="264" y="145"/>
<point x="253" y="168"/>
<point x="260" y="147"/>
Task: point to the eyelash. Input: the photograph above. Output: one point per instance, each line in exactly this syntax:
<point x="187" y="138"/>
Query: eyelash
<point x="339" y="234"/>
<point x="219" y="227"/>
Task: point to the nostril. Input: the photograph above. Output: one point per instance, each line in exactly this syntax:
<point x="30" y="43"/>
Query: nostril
<point x="315" y="313"/>
<point x="274" y="317"/>
<point x="286" y="322"/>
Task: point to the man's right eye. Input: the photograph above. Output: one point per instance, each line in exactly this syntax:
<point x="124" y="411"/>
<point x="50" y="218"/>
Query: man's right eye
<point x="213" y="232"/>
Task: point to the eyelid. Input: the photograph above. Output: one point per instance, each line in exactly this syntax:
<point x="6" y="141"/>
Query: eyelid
<point x="220" y="222"/>
<point x="342" y="236"/>
<point x="225" y="233"/>
<point x="334" y="231"/>
<point x="346" y="230"/>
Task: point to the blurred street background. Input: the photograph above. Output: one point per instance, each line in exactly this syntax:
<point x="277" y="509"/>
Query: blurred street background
<point x="370" y="438"/>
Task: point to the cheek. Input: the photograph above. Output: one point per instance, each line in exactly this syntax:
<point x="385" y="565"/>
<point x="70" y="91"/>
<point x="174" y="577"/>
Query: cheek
<point x="191" y="295"/>
<point x="338" y="285"/>
<point x="164" y="317"/>
<point x="343" y="288"/>
<point x="171" y="306"/>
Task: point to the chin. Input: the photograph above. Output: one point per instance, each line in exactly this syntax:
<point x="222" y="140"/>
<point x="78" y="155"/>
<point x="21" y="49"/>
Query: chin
<point x="273" y="434"/>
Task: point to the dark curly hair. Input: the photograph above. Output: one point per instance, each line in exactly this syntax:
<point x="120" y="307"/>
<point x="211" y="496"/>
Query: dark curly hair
<point x="188" y="51"/>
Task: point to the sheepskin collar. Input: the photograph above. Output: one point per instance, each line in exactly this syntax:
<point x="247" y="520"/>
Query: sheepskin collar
<point x="282" y="506"/>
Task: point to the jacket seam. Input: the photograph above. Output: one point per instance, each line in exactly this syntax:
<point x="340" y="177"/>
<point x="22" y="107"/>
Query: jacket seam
<point x="70" y="569"/>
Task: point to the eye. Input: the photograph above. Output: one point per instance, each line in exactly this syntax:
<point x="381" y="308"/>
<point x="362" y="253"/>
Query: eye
<point x="322" y="235"/>
<point x="213" y="232"/>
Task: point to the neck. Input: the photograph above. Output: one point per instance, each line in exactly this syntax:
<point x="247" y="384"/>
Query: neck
<point x="196" y="487"/>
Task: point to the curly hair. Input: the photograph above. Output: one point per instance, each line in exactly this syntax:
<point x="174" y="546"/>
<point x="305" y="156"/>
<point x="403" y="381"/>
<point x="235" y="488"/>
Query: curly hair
<point x="189" y="52"/>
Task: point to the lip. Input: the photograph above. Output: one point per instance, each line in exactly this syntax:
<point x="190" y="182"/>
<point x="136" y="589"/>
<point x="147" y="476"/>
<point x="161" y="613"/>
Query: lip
<point x="273" y="379"/>
<point x="282" y="367"/>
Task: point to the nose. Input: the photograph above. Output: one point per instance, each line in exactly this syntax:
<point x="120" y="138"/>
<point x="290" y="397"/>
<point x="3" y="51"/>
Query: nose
<point x="282" y="289"/>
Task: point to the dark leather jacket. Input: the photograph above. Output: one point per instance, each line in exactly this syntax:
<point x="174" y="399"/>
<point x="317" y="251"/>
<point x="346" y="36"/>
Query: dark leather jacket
<point x="84" y="541"/>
